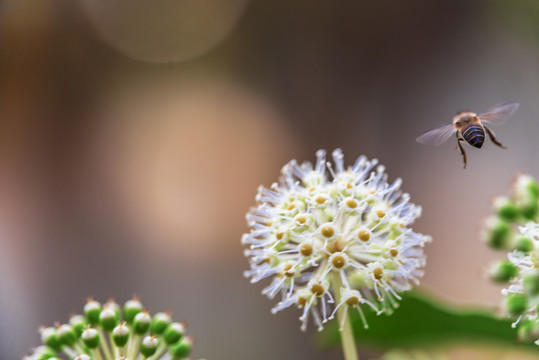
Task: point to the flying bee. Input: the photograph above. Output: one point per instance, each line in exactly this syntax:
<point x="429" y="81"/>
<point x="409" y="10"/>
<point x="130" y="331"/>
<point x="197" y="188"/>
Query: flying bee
<point x="470" y="127"/>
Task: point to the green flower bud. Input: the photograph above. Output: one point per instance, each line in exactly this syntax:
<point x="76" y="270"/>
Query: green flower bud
<point x="131" y="309"/>
<point x="533" y="188"/>
<point x="120" y="335"/>
<point x="527" y="196"/>
<point x="516" y="303"/>
<point x="502" y="271"/>
<point x="108" y="319"/>
<point x="92" y="309"/>
<point x="78" y="324"/>
<point x="530" y="282"/>
<point x="530" y="209"/>
<point x="524" y="244"/>
<point x="499" y="234"/>
<point x="525" y="330"/>
<point x="160" y="321"/>
<point x="141" y="324"/>
<point x="49" y="336"/>
<point x="90" y="338"/>
<point x="174" y="332"/>
<point x="111" y="304"/>
<point x="149" y="346"/>
<point x="506" y="209"/>
<point x="181" y="349"/>
<point x="67" y="335"/>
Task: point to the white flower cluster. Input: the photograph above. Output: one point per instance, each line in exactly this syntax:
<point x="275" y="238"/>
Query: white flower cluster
<point x="522" y="295"/>
<point x="331" y="236"/>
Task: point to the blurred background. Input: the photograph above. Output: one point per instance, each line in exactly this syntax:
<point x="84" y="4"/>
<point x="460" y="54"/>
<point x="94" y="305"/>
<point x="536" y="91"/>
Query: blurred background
<point x="133" y="136"/>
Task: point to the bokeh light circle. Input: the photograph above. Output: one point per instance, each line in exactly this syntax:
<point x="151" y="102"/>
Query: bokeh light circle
<point x="184" y="160"/>
<point x="163" y="30"/>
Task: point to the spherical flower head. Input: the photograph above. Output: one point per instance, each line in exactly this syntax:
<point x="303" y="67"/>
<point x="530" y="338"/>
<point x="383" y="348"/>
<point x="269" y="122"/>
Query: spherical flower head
<point x="111" y="332"/>
<point x="330" y="236"/>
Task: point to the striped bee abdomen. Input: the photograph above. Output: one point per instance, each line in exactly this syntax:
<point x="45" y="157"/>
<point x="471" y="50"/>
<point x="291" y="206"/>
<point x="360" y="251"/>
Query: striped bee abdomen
<point x="474" y="135"/>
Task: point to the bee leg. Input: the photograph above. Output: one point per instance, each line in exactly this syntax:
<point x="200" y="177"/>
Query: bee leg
<point x="462" y="152"/>
<point x="493" y="137"/>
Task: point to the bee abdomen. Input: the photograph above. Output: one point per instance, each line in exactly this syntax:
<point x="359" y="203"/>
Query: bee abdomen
<point x="474" y="135"/>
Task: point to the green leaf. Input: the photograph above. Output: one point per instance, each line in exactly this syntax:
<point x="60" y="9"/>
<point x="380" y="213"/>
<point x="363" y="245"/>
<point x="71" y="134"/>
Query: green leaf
<point x="422" y="321"/>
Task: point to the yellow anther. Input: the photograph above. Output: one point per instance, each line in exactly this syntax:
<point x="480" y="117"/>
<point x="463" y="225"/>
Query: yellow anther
<point x="320" y="199"/>
<point x="327" y="231"/>
<point x="380" y="213"/>
<point x="301" y="219"/>
<point x="378" y="273"/>
<point x="301" y="301"/>
<point x="351" y="203"/>
<point x="338" y="261"/>
<point x="364" y="235"/>
<point x="352" y="300"/>
<point x="279" y="235"/>
<point x="306" y="249"/>
<point x="393" y="252"/>
<point x="287" y="271"/>
<point x="291" y="206"/>
<point x="317" y="290"/>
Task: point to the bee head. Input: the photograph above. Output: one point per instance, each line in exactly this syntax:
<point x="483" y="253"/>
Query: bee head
<point x="463" y="118"/>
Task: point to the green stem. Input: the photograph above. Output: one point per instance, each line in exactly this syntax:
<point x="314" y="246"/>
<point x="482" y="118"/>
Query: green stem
<point x="347" y="337"/>
<point x="105" y="346"/>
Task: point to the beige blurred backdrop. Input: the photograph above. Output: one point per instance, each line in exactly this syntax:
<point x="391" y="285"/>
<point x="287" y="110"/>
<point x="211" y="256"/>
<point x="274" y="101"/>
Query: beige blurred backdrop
<point x="133" y="136"/>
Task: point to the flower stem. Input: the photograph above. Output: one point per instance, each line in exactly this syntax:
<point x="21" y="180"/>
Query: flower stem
<point x="347" y="337"/>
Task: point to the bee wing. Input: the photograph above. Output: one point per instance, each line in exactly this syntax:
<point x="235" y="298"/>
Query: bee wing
<point x="437" y="136"/>
<point x="499" y="113"/>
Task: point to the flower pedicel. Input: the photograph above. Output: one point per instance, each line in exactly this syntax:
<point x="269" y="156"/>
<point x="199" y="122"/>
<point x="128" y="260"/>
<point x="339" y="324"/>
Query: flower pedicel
<point x="109" y="332"/>
<point x="332" y="237"/>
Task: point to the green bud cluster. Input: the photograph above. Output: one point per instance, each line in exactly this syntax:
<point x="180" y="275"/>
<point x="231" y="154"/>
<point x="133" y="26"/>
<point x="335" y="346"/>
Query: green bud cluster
<point x="110" y="332"/>
<point x="511" y="212"/>
<point x="515" y="228"/>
